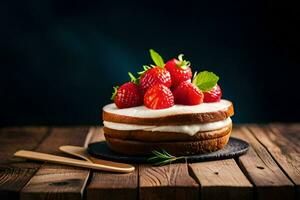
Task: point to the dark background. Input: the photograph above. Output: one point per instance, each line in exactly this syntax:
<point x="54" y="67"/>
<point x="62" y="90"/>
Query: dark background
<point x="60" y="59"/>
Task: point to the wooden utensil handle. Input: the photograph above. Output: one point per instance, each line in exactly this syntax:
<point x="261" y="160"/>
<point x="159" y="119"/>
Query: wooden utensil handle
<point x="69" y="161"/>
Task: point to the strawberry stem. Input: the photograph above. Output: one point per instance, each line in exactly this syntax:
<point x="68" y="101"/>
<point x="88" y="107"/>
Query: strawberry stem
<point x="194" y="76"/>
<point x="133" y="79"/>
<point x="113" y="95"/>
<point x="145" y="68"/>
<point x="180" y="57"/>
<point x="182" y="63"/>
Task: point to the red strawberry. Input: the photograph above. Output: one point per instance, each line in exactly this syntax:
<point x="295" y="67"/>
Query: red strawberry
<point x="214" y="95"/>
<point x="158" y="97"/>
<point x="153" y="76"/>
<point x="179" y="69"/>
<point x="187" y="94"/>
<point x="128" y="95"/>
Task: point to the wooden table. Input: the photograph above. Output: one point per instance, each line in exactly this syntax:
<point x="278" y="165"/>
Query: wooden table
<point x="270" y="169"/>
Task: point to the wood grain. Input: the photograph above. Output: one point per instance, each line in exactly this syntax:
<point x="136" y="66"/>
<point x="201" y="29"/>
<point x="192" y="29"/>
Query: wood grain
<point x="221" y="179"/>
<point x="258" y="164"/>
<point x="105" y="185"/>
<point x="272" y="165"/>
<point x="167" y="182"/>
<point x="283" y="144"/>
<point x="16" y="138"/>
<point x="15" y="173"/>
<point x="57" y="181"/>
<point x="111" y="186"/>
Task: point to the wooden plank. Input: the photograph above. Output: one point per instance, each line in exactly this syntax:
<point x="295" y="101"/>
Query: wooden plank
<point x="259" y="166"/>
<point x="283" y="144"/>
<point x="15" y="173"/>
<point x="221" y="179"/>
<point x="104" y="185"/>
<point x="167" y="182"/>
<point x="57" y="181"/>
<point x="16" y="138"/>
<point x="63" y="136"/>
<point x="111" y="186"/>
<point x="12" y="180"/>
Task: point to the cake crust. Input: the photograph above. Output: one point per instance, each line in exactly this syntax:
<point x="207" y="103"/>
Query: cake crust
<point x="179" y="119"/>
<point x="132" y="147"/>
<point x="157" y="136"/>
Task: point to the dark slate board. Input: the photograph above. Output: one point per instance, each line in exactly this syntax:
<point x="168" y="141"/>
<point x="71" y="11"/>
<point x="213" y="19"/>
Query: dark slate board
<point x="234" y="148"/>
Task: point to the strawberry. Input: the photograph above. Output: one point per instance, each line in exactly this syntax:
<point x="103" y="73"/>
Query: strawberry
<point x="158" y="97"/>
<point x="128" y="95"/>
<point x="153" y="76"/>
<point x="207" y="82"/>
<point x="187" y="93"/>
<point x="214" y="95"/>
<point x="179" y="69"/>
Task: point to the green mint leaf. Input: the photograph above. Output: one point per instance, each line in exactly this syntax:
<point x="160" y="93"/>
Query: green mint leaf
<point x="157" y="59"/>
<point x="205" y="80"/>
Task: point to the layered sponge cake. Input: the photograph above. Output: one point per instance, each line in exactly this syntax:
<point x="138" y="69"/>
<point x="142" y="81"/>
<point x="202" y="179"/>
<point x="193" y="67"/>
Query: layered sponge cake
<point x="168" y="109"/>
<point x="180" y="129"/>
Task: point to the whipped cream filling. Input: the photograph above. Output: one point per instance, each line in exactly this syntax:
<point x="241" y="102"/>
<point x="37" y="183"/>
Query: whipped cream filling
<point x="191" y="129"/>
<point x="144" y="112"/>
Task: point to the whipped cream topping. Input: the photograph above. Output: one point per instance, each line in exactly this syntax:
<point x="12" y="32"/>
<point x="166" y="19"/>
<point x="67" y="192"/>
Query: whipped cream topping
<point x="191" y="129"/>
<point x="144" y="112"/>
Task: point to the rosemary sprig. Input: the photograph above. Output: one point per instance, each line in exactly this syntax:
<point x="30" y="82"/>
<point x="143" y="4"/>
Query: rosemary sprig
<point x="163" y="157"/>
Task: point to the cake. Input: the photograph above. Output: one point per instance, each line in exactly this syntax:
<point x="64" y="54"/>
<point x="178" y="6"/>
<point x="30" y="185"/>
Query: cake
<point x="174" y="113"/>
